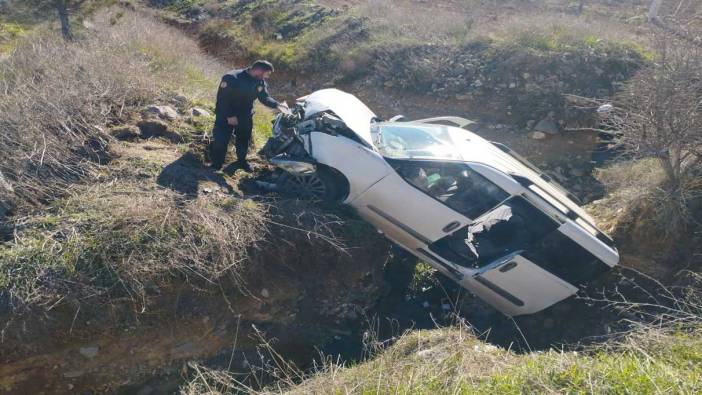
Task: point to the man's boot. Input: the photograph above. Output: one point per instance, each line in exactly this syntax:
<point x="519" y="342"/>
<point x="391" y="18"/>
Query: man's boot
<point x="244" y="165"/>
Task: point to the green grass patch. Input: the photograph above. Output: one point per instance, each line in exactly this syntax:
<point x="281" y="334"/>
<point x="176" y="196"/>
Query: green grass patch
<point x="262" y="125"/>
<point x="10" y="33"/>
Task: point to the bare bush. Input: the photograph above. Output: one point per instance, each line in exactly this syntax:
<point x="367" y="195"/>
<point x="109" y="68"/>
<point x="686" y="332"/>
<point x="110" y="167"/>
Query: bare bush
<point x="55" y="98"/>
<point x="659" y="115"/>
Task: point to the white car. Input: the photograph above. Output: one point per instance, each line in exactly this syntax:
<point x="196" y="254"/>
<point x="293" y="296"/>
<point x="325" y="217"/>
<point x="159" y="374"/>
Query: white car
<point x="471" y="208"/>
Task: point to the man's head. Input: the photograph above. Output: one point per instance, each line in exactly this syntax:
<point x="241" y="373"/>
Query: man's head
<point x="261" y="69"/>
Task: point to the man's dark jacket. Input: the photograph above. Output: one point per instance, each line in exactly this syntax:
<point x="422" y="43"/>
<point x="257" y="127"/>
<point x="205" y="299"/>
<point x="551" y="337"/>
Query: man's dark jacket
<point x="236" y="95"/>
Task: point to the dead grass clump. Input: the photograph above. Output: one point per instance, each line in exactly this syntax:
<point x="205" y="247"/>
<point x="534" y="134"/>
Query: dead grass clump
<point x="120" y="240"/>
<point x="56" y="98"/>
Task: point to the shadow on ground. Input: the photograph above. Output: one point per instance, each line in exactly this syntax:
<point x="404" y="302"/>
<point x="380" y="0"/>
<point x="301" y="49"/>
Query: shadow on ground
<point x="187" y="175"/>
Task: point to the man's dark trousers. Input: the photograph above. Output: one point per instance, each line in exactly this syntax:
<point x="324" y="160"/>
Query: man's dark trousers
<point x="220" y="140"/>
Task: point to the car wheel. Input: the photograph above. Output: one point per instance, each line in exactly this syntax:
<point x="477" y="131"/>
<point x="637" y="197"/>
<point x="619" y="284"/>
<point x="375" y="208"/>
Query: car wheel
<point x="320" y="185"/>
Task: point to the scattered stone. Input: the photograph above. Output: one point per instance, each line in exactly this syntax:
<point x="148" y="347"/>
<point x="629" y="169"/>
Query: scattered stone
<point x="278" y="36"/>
<point x="547" y="125"/>
<point x="265" y="293"/>
<point x="157" y="128"/>
<point x="183" y="349"/>
<point x="182" y="99"/>
<point x="89" y="352"/>
<point x="537" y="135"/>
<point x="146" y="390"/>
<point x="129" y="132"/>
<point x="200" y="112"/>
<point x="267" y="186"/>
<point x="73" y="374"/>
<point x="351" y="315"/>
<point x="165" y="112"/>
<point x="530" y="124"/>
<point x="512" y="85"/>
<point x="577" y="172"/>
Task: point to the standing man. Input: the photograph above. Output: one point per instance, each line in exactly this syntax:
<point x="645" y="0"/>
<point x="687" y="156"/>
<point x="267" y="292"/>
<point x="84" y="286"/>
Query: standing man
<point x="234" y="111"/>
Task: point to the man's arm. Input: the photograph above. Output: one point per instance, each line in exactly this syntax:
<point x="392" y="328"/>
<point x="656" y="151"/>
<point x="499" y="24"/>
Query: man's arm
<point x="265" y="98"/>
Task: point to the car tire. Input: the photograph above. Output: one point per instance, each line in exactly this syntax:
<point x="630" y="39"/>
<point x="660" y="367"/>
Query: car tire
<point x="322" y="185"/>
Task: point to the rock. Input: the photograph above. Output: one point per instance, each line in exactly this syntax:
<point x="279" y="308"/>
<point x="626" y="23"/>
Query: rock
<point x="200" y="112"/>
<point x="89" y="352"/>
<point x="265" y="293"/>
<point x="512" y="85"/>
<point x="157" y="128"/>
<point x="530" y="124"/>
<point x="278" y="36"/>
<point x="537" y="135"/>
<point x="547" y="125"/>
<point x="577" y="172"/>
<point x="73" y="374"/>
<point x="165" y="112"/>
<point x="128" y="132"/>
<point x="146" y="390"/>
<point x="182" y="99"/>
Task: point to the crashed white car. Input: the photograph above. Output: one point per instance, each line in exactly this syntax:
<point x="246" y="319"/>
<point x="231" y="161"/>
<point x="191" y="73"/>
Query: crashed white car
<point x="471" y="208"/>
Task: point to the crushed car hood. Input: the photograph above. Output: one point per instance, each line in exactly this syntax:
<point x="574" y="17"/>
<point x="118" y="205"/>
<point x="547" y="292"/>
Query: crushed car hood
<point x="352" y="111"/>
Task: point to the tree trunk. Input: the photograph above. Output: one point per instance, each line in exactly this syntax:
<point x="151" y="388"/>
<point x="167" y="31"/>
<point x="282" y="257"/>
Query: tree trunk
<point x="653" y="10"/>
<point x="62" y="10"/>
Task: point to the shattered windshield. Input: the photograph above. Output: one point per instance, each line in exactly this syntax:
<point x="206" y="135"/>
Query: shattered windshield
<point x="414" y="142"/>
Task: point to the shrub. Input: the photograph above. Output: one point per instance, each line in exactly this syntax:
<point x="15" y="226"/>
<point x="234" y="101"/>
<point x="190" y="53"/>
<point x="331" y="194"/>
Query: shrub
<point x="659" y="116"/>
<point x="56" y="98"/>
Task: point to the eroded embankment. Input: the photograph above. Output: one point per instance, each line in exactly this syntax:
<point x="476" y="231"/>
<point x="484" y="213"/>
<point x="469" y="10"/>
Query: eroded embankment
<point x="311" y="274"/>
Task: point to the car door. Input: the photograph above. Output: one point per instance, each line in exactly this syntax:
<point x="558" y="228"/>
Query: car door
<point x="402" y="206"/>
<point x="516" y="286"/>
<point x="409" y="212"/>
<point x="507" y="272"/>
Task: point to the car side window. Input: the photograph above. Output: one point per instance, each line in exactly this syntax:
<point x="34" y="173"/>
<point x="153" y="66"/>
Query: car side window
<point x="455" y="184"/>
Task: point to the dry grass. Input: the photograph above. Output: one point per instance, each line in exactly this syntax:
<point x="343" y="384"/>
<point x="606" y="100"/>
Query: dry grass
<point x="56" y="98"/>
<point x="660" y="355"/>
<point x="453" y="361"/>
<point x="120" y="239"/>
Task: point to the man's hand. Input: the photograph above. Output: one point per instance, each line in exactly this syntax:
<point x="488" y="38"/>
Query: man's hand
<point x="233" y="121"/>
<point x="283" y="107"/>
